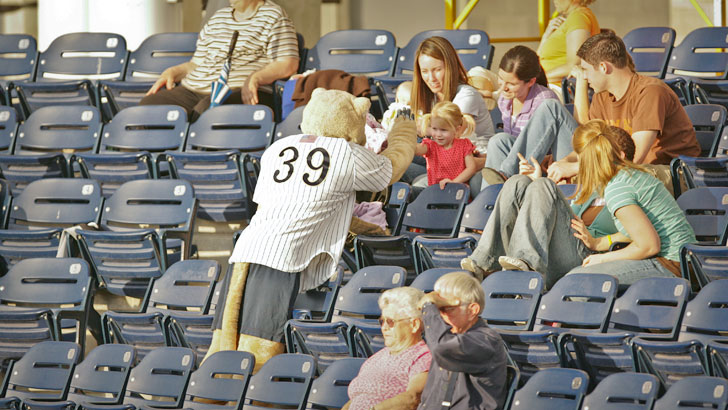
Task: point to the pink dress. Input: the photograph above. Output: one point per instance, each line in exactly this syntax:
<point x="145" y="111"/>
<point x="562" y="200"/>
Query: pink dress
<point x="446" y="163"/>
<point x="384" y="375"/>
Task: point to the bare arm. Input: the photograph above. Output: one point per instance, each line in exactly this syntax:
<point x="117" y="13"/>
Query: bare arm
<point x="600" y="244"/>
<point x="581" y="96"/>
<point x="275" y="70"/>
<point x="421" y="149"/>
<point x="643" y="141"/>
<point x="564" y="168"/>
<point x="554" y="23"/>
<point x="409" y="399"/>
<point x="645" y="240"/>
<point x="574" y="40"/>
<point x="172" y="75"/>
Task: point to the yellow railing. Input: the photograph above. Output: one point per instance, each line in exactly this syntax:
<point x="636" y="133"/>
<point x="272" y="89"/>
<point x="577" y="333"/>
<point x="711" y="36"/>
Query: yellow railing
<point x="453" y="21"/>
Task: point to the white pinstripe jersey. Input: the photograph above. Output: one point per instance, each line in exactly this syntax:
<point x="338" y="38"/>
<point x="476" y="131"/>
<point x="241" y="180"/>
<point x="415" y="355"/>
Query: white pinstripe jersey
<point x="305" y="196"/>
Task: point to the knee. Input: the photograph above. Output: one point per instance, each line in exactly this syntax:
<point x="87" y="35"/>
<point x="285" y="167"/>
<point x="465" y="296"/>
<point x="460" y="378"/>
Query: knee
<point x="542" y="187"/>
<point x="500" y="142"/>
<point x="517" y="183"/>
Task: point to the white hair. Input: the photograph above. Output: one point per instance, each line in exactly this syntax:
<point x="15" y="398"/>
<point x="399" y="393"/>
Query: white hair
<point x="404" y="299"/>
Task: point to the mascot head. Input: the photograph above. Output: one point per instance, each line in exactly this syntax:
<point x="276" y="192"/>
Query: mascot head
<point x="336" y="114"/>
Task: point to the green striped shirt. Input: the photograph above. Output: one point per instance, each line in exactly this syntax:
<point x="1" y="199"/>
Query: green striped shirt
<point x="633" y="187"/>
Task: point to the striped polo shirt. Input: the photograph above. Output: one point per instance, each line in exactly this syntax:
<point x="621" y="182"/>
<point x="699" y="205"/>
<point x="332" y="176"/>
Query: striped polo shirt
<point x="266" y="36"/>
<point x="633" y="187"/>
<point x="305" y="195"/>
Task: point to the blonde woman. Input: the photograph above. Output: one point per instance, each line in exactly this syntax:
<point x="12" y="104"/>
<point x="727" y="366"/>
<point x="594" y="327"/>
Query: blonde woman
<point x="566" y="32"/>
<point x="393" y="378"/>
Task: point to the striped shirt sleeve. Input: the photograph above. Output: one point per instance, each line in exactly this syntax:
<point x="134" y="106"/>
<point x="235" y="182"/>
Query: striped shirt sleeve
<point x="619" y="194"/>
<point x="371" y="172"/>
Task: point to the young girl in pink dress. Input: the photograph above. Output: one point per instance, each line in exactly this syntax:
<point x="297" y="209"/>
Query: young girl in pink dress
<point x="449" y="157"/>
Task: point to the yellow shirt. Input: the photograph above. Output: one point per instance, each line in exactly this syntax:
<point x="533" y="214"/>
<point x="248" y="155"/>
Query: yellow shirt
<point x="553" y="52"/>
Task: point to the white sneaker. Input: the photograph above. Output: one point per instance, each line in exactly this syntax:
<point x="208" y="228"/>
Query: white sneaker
<point x="510" y="263"/>
<point x="469" y="265"/>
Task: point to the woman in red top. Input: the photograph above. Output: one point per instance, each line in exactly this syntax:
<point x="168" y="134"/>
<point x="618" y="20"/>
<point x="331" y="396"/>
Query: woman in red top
<point x="449" y="157"/>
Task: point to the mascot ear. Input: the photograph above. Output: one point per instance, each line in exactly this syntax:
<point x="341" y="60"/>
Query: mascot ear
<point x="317" y="91"/>
<point x="361" y="105"/>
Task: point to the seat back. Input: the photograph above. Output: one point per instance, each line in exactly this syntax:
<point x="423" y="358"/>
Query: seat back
<point x="511" y="299"/>
<point x="652" y="307"/>
<point x="707" y="313"/>
<point x="399" y="197"/>
<point x="44" y="371"/>
<point x="580" y="301"/>
<point x="291" y="125"/>
<point x="75" y="56"/>
<point x="708" y="120"/>
<point x="18" y="54"/>
<point x="284" y="380"/>
<point x="56" y="202"/>
<point x="695" y="392"/>
<point x="700" y="54"/>
<point x="703" y="263"/>
<point x="621" y="391"/>
<point x="47" y="282"/>
<point x="329" y="390"/>
<point x="18" y="245"/>
<point x="8" y="128"/>
<point x="159" y="203"/>
<point x="102" y="376"/>
<point x="477" y="212"/>
<point x="354" y="51"/>
<point x="710" y="92"/>
<point x="360" y="295"/>
<point x="437" y="211"/>
<point x="222" y="377"/>
<point x="327" y="342"/>
<point x="473" y="47"/>
<point x="187" y="285"/>
<point x="232" y="127"/>
<point x="158" y="52"/>
<point x="66" y="128"/>
<point x="20" y="170"/>
<point x="425" y="281"/>
<point x="650" y="48"/>
<point x="161" y="376"/>
<point x="705" y="209"/>
<point x="556" y="388"/>
<point x="318" y="303"/>
<point x="152" y="128"/>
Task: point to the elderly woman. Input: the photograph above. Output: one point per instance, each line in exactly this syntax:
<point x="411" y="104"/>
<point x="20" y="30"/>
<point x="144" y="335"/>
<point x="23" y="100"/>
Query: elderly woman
<point x="394" y="377"/>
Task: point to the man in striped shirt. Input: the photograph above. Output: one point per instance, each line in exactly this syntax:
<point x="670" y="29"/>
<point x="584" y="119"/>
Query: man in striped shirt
<point x="305" y="195"/>
<point x="266" y="50"/>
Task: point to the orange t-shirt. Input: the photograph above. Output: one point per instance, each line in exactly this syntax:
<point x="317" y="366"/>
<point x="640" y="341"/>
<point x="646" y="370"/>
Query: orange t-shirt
<point x="650" y="105"/>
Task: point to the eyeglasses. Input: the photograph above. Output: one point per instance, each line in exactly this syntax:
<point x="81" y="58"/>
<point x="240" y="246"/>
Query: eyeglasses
<point x="389" y="321"/>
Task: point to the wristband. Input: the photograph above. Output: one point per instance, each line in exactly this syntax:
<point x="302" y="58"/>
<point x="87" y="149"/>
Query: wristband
<point x="609" y="238"/>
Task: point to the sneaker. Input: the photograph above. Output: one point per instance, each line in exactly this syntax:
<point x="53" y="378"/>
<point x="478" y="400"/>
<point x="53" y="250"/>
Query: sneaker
<point x="509" y="263"/>
<point x="469" y="265"/>
<point x="492" y="176"/>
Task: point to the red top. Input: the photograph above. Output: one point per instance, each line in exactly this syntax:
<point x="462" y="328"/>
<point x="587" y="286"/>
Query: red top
<point x="446" y="163"/>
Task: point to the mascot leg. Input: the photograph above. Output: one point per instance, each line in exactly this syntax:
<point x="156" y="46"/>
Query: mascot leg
<point x="226" y="338"/>
<point x="262" y="349"/>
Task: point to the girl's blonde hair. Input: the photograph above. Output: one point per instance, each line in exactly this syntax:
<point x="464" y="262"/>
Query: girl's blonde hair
<point x="455" y="74"/>
<point x="451" y="113"/>
<point x="600" y="158"/>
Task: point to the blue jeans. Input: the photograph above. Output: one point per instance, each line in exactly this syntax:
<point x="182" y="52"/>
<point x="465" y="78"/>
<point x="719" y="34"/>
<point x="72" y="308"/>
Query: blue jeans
<point x="628" y="272"/>
<point x="531" y="221"/>
<point x="549" y="130"/>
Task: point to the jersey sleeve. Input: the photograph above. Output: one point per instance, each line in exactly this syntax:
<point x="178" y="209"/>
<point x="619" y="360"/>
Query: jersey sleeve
<point x="371" y="172"/>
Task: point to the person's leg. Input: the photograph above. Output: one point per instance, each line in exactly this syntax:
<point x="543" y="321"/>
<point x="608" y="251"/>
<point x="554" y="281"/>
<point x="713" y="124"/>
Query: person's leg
<point x="499" y="146"/>
<point x="549" y="129"/>
<point x="413" y="171"/>
<point x="627" y="272"/>
<point x="545" y="238"/>
<point x="476" y="184"/>
<point x="179" y="95"/>
<point x="496" y="236"/>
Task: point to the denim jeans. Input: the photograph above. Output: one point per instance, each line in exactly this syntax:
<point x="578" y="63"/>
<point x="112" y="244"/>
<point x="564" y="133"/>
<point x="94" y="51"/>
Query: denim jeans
<point x="628" y="272"/>
<point x="531" y="221"/>
<point x="549" y="130"/>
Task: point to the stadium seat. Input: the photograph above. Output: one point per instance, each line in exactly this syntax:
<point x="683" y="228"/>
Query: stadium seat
<point x="717" y="357"/>
<point x="20" y="170"/>
<point x="8" y="128"/>
<point x="695" y="393"/>
<point x="291" y="125"/>
<point x="62" y="129"/>
<point x="702" y="264"/>
<point x="705" y="209"/>
<point x="670" y="361"/>
<point x="706" y="316"/>
<point x="18" y="245"/>
<point x="708" y="120"/>
<point x="284" y="382"/>
<point x="44" y="299"/>
<point x="650" y="48"/>
<point x="511" y="299"/>
<point x="354" y="51"/>
<point x="598" y="354"/>
<point x="425" y="281"/>
<point x="318" y="303"/>
<point x="220" y="382"/>
<point x="18" y="54"/>
<point x="699" y="55"/>
<point x="67" y="67"/>
<point x="231" y="127"/>
<point x="42" y="373"/>
<point x="447" y="252"/>
<point x="622" y="391"/>
<point x="698" y="172"/>
<point x="548" y="389"/>
<point x="710" y="92"/>
<point x="329" y="390"/>
<point x="155" y="54"/>
<point x="326" y="342"/>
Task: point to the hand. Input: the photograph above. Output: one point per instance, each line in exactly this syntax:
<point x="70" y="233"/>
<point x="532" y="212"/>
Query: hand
<point x="405" y="113"/>
<point x="444" y="182"/>
<point x="249" y="92"/>
<point x="560" y="170"/>
<point x="593" y="259"/>
<point x="554" y="23"/>
<point x="437" y="300"/>
<point x="578" y="73"/>
<point x="166" y="79"/>
<point x="580" y="232"/>
<point x="532" y="170"/>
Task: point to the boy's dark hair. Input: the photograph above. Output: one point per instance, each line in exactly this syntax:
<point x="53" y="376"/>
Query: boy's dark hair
<point x="606" y="46"/>
<point x="624" y="141"/>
